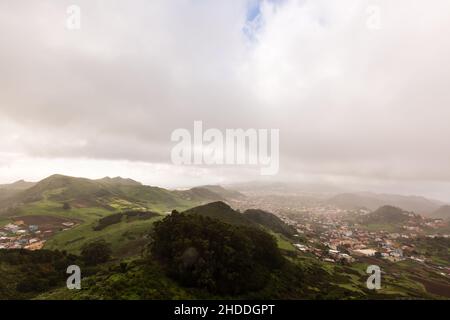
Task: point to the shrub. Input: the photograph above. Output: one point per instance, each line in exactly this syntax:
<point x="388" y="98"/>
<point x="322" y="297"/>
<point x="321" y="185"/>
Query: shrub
<point x="96" y="252"/>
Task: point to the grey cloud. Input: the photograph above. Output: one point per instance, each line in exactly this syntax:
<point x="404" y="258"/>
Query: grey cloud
<point x="349" y="101"/>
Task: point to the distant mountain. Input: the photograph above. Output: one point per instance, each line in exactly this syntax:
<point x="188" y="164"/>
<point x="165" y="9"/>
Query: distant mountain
<point x="270" y="221"/>
<point x="225" y="193"/>
<point x="200" y="193"/>
<point x="287" y="188"/>
<point x="79" y="191"/>
<point x="18" y="185"/>
<point x="10" y="190"/>
<point x="210" y="193"/>
<point x="109" y="193"/>
<point x="252" y="217"/>
<point x="221" y="211"/>
<point x="442" y="213"/>
<point x="119" y="181"/>
<point x="387" y="215"/>
<point x="373" y="201"/>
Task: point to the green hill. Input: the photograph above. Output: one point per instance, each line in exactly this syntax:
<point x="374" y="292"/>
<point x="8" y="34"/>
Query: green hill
<point x="124" y="213"/>
<point x="18" y="185"/>
<point x="200" y="194"/>
<point x="387" y="218"/>
<point x="107" y="193"/>
<point x="223" y="192"/>
<point x="9" y="190"/>
<point x="209" y="194"/>
<point x="194" y="257"/>
<point x="223" y="212"/>
<point x="387" y="214"/>
<point x="98" y="206"/>
<point x="88" y="202"/>
<point x="119" y="181"/>
<point x="82" y="192"/>
<point x="372" y="201"/>
<point x="221" y="258"/>
<point x="270" y="221"/>
<point x="183" y="243"/>
<point x="251" y="218"/>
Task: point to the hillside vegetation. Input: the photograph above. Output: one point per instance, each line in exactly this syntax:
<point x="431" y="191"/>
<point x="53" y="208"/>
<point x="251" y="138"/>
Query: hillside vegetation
<point x="202" y="252"/>
<point x="372" y="201"/>
<point x="222" y="211"/>
<point x="270" y="221"/>
<point x="117" y="209"/>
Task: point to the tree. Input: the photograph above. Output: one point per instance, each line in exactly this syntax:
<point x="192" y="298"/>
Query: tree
<point x="96" y="252"/>
<point x="203" y="252"/>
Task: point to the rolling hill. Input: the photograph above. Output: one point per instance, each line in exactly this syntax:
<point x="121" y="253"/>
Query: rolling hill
<point x="442" y="213"/>
<point x="18" y="185"/>
<point x="9" y="190"/>
<point x="387" y="215"/>
<point x="223" y="192"/>
<point x="223" y="212"/>
<point x="372" y="201"/>
<point x="270" y="221"/>
<point x="133" y="274"/>
<point x="91" y="202"/>
<point x="110" y="194"/>
<point x="209" y="193"/>
<point x="250" y="218"/>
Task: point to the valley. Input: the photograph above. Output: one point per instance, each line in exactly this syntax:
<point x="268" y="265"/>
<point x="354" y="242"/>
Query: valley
<point x="325" y="247"/>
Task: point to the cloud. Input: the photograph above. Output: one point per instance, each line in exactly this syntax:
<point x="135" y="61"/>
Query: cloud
<point x="349" y="100"/>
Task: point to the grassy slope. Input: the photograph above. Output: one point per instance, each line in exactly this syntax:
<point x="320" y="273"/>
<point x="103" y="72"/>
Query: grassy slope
<point x="270" y="221"/>
<point x="4" y="221"/>
<point x="398" y="280"/>
<point x="139" y="281"/>
<point x="145" y="280"/>
<point x="282" y="241"/>
<point x="223" y="212"/>
<point x="119" y="235"/>
<point x="72" y="240"/>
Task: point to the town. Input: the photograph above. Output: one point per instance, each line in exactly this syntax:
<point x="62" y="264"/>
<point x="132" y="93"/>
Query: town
<point x="31" y="232"/>
<point x="336" y="235"/>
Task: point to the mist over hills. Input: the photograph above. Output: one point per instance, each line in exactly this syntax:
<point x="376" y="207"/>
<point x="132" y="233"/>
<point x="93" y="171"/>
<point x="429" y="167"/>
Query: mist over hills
<point x="310" y="194"/>
<point x="373" y="201"/>
<point x="221" y="211"/>
<point x="107" y="193"/>
<point x="18" y="185"/>
<point x="252" y="217"/>
<point x="209" y="193"/>
<point x="443" y="212"/>
<point x="9" y="190"/>
<point x="124" y="214"/>
<point x="387" y="215"/>
<point x="110" y="193"/>
<point x="270" y="221"/>
<point x="119" y="181"/>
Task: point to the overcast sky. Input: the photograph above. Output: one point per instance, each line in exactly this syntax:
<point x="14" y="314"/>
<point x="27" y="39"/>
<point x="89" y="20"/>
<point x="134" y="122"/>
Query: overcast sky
<point x="361" y="100"/>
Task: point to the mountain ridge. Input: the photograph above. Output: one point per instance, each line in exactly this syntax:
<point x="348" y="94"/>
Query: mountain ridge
<point x="372" y="201"/>
<point x="108" y="193"/>
<point x="442" y="212"/>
